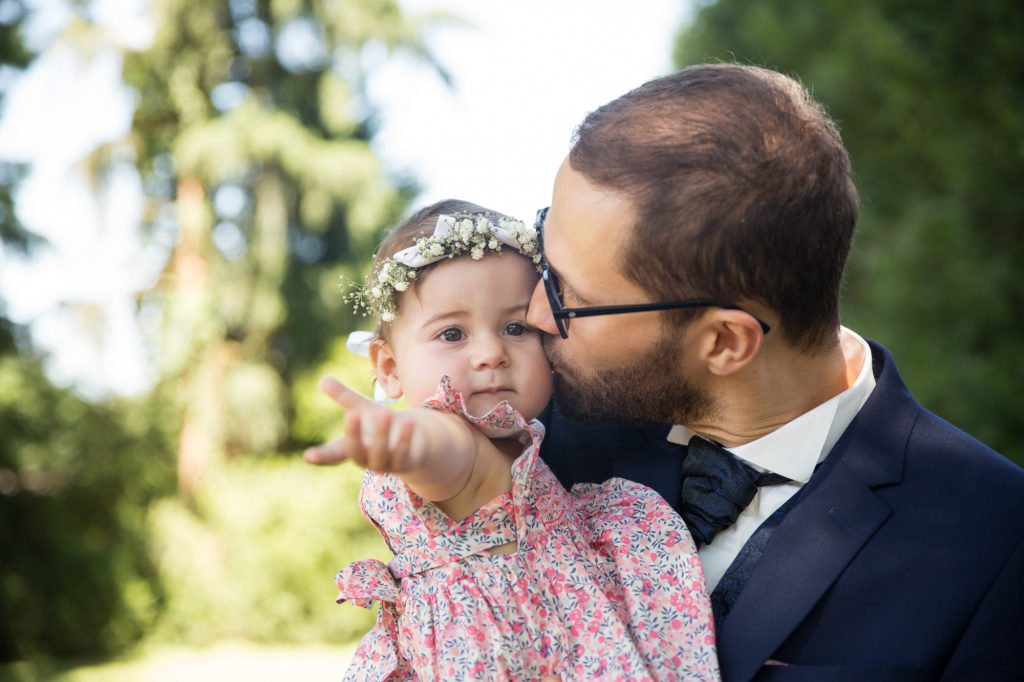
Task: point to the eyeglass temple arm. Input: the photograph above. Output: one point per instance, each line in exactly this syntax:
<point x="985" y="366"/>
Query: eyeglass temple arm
<point x="594" y="311"/>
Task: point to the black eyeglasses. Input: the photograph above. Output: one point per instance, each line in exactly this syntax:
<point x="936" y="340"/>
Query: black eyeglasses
<point x="562" y="314"/>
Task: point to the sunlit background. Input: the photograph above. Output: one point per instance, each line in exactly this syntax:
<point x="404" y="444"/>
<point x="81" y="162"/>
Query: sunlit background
<point x="182" y="184"/>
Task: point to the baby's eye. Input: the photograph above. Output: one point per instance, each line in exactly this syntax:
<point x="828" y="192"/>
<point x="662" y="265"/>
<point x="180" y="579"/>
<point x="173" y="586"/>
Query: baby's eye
<point x="516" y="329"/>
<point x="451" y="335"/>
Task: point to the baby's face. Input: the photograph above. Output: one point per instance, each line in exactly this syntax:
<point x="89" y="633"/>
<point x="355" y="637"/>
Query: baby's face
<point x="467" y="319"/>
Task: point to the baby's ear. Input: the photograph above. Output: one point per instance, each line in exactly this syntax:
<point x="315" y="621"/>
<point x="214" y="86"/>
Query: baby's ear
<point x="384" y="365"/>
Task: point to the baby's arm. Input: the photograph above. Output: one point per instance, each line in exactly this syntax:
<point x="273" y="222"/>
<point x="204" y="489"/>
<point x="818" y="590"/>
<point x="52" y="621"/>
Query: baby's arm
<point x="432" y="452"/>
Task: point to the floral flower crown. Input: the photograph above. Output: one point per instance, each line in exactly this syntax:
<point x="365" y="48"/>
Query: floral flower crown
<point x="453" y="236"/>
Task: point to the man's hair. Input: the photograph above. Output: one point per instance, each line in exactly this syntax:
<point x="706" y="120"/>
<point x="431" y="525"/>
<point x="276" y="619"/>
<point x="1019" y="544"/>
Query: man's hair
<point x="742" y="187"/>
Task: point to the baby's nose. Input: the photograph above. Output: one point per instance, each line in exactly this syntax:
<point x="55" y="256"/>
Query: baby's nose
<point x="489" y="352"/>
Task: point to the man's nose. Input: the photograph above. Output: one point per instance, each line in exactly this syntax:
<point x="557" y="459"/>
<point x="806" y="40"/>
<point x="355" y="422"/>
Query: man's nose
<point x="489" y="352"/>
<point x="538" y="315"/>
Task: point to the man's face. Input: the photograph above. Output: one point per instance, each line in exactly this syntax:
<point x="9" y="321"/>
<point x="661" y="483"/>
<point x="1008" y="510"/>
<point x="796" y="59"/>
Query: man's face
<point x="614" y="368"/>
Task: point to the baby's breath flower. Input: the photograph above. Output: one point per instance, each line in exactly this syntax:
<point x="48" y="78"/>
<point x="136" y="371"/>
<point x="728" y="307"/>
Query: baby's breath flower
<point x="472" y="234"/>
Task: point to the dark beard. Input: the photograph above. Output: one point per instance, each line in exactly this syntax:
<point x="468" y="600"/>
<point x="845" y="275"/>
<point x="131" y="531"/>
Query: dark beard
<point x="651" y="391"/>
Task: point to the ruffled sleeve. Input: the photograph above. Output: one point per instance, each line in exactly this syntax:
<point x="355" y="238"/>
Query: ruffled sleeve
<point x="502" y="421"/>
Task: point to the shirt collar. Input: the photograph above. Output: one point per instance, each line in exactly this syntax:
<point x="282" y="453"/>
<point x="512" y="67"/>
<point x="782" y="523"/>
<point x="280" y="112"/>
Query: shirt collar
<point x="795" y="449"/>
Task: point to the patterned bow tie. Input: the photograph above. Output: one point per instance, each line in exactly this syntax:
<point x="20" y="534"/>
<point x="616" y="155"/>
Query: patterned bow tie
<point x="716" y="488"/>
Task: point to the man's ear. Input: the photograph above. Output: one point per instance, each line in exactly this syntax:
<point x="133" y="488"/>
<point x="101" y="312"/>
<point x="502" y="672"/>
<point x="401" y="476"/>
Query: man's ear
<point x="731" y="341"/>
<point x="383" y="360"/>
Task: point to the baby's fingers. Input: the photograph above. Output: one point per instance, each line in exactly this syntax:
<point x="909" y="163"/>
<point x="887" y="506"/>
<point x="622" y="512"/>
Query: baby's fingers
<point x="330" y="453"/>
<point x="345" y="396"/>
<point x="401" y="453"/>
<point x="378" y="443"/>
<point x="357" y="451"/>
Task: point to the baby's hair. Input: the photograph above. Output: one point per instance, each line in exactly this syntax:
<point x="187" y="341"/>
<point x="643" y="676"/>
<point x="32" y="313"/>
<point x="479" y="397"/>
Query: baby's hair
<point x="418" y="225"/>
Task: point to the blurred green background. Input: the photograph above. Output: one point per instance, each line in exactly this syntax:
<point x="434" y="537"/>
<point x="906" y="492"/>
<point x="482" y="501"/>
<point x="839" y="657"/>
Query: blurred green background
<point x="186" y="517"/>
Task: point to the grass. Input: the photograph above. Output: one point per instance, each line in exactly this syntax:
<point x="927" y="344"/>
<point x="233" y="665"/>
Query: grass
<point x="222" y="661"/>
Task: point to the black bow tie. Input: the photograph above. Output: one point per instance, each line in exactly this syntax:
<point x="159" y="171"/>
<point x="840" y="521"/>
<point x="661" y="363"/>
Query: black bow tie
<point x="716" y="488"/>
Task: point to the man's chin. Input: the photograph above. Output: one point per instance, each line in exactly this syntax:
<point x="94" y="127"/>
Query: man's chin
<point x="589" y="407"/>
<point x="650" y="391"/>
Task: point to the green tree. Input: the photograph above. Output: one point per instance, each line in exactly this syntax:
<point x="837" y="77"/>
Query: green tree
<point x="252" y="134"/>
<point x="928" y="99"/>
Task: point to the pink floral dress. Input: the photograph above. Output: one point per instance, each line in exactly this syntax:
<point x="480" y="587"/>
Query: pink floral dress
<point x="605" y="583"/>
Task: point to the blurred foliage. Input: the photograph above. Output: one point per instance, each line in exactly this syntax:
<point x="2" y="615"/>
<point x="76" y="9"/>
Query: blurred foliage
<point x="251" y="139"/>
<point x="75" y="480"/>
<point x="929" y="101"/>
<point x="255" y="556"/>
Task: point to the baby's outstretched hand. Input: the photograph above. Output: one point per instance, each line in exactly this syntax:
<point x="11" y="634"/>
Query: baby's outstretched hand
<point x="375" y="437"/>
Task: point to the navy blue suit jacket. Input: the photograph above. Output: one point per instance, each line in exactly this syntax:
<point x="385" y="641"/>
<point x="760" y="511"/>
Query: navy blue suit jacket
<point x="903" y="560"/>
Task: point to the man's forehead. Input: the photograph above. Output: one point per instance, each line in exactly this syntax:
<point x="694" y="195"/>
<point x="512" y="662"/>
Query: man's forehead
<point x="587" y="224"/>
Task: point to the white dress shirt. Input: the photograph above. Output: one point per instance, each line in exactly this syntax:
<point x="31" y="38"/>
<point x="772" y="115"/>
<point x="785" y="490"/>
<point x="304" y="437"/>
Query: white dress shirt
<point x="793" y="450"/>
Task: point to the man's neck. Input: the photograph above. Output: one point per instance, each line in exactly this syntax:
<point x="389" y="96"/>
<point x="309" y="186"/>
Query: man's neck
<point x="779" y="387"/>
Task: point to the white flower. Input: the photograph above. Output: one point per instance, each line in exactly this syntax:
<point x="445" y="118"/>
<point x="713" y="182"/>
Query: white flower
<point x="412" y="274"/>
<point x="482" y="226"/>
<point x="375" y="292"/>
<point x="387" y="316"/>
<point x="401" y="286"/>
<point x="436" y="249"/>
<point x="477" y="253"/>
<point x="527" y="248"/>
<point x="465" y="230"/>
<point x="493" y="244"/>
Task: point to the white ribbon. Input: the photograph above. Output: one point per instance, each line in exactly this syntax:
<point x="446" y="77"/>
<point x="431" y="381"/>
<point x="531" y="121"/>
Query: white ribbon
<point x="358" y="342"/>
<point x="445" y="224"/>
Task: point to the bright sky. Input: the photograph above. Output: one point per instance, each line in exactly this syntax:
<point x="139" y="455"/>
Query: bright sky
<point x="525" y="73"/>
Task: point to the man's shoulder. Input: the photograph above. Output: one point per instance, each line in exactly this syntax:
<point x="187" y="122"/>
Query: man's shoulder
<point x="974" y="469"/>
<point x="937" y="453"/>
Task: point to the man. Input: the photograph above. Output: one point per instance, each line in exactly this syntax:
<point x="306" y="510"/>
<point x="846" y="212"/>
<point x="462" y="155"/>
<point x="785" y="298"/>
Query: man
<point x="846" y="532"/>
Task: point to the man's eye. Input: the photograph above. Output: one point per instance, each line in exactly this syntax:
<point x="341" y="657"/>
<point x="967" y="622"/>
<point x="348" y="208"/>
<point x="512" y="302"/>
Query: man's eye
<point x="516" y="329"/>
<point x="451" y="335"/>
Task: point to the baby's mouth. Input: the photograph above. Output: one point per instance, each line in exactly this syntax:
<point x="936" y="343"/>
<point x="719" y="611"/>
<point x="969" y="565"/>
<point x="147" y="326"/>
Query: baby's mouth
<point x="495" y="389"/>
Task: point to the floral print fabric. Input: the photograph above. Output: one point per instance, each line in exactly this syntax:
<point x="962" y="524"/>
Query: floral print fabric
<point x="605" y="583"/>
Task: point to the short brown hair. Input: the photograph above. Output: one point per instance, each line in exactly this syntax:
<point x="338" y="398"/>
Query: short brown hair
<point x="420" y="224"/>
<point x="743" y="191"/>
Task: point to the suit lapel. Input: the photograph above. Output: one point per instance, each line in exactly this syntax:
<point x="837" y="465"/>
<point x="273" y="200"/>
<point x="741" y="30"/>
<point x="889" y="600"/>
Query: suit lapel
<point x="826" y="530"/>
<point x="823" y="533"/>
